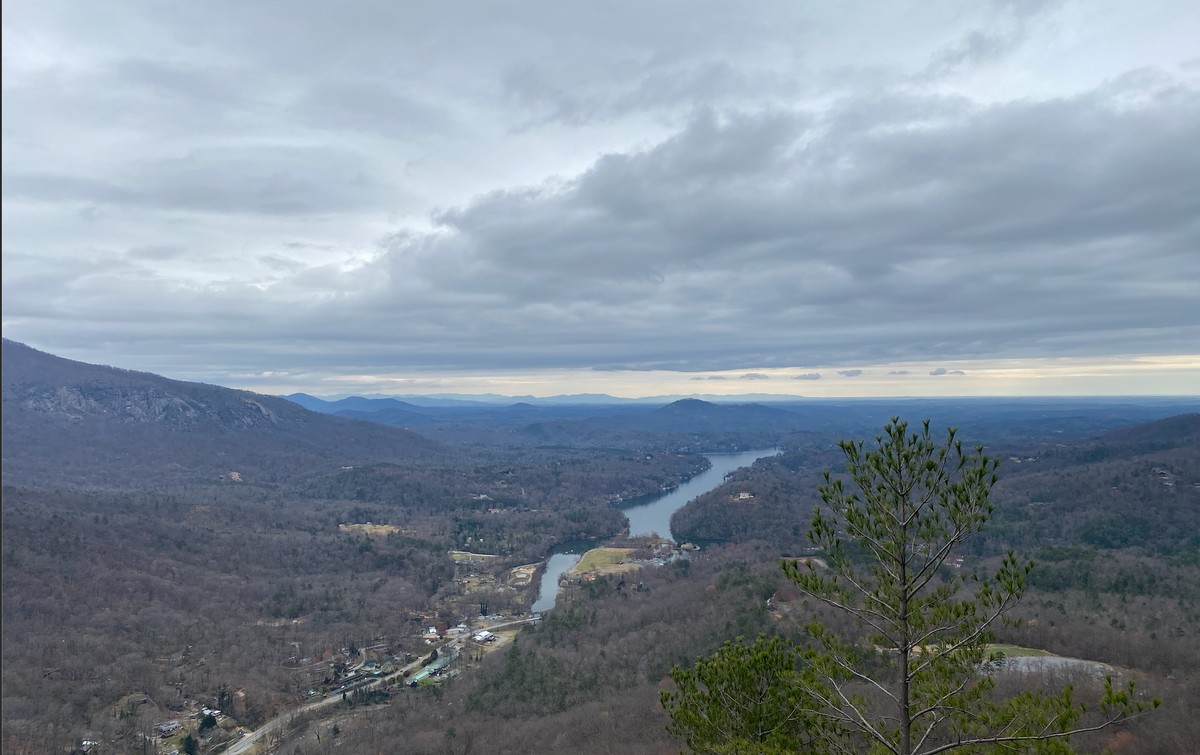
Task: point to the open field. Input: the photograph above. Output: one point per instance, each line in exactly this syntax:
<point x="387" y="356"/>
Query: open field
<point x="467" y="556"/>
<point x="374" y="530"/>
<point x="476" y="582"/>
<point x="601" y="561"/>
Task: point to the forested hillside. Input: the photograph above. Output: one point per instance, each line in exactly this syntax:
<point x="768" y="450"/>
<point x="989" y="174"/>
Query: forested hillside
<point x="75" y="423"/>
<point x="167" y="545"/>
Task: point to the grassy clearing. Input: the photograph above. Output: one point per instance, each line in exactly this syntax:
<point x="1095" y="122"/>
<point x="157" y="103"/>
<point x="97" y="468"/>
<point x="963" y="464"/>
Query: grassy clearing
<point x="479" y="582"/>
<point x="604" y="561"/>
<point x="469" y="556"/>
<point x="1016" y="651"/>
<point x="374" y="530"/>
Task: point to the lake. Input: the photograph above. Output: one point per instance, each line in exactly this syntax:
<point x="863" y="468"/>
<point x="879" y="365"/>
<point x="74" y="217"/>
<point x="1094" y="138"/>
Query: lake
<point x="652" y="517"/>
<point x="655" y="517"/>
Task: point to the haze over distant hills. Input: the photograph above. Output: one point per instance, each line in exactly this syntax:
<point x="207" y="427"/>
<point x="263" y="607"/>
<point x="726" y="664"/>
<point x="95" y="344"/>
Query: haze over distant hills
<point x="733" y="422"/>
<point x="80" y="423"/>
<point x="574" y="399"/>
<point x="469" y="400"/>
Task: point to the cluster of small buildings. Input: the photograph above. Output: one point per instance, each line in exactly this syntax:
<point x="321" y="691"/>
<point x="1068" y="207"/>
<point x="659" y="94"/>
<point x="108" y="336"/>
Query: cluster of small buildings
<point x="434" y="668"/>
<point x="666" y="553"/>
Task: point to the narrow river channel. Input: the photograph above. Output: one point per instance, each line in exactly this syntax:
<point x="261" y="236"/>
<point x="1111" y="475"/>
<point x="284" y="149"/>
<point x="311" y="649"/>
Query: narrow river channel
<point x="653" y="517"/>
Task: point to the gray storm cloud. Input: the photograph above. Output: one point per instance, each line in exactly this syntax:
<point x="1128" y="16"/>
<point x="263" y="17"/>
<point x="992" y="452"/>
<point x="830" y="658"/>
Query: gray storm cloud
<point x="773" y="240"/>
<point x="377" y="188"/>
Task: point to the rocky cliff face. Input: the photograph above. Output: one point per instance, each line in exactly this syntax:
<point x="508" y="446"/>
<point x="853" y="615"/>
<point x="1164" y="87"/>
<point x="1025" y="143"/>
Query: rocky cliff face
<point x="147" y="406"/>
<point x="75" y="392"/>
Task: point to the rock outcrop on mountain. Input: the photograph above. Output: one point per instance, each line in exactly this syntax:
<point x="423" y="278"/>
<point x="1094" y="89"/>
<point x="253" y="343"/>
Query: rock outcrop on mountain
<point x="81" y="423"/>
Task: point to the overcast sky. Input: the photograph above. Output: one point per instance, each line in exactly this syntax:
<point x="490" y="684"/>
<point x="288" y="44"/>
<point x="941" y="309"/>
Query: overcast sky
<point x="639" y="198"/>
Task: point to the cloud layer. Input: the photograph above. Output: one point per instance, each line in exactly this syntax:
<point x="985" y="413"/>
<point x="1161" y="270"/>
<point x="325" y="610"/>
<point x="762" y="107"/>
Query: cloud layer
<point x="404" y="189"/>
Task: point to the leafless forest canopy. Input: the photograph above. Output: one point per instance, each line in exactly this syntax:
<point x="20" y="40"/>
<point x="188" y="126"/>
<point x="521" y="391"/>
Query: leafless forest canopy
<point x="169" y="547"/>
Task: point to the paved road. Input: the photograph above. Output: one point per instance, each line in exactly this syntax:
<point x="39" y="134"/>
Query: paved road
<point x="247" y="742"/>
<point x="510" y="624"/>
<point x="244" y="744"/>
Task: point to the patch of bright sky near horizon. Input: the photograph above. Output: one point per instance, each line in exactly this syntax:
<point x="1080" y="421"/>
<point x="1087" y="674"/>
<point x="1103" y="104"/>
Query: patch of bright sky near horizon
<point x="637" y="199"/>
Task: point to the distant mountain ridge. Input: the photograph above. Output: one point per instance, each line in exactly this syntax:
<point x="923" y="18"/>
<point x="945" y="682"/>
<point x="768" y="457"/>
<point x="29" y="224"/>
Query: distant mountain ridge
<point x="1180" y="429"/>
<point x="74" y="422"/>
<point x="350" y="403"/>
<point x="68" y="422"/>
<point x="479" y="400"/>
<point x="697" y="415"/>
<point x="563" y="423"/>
<point x="698" y="423"/>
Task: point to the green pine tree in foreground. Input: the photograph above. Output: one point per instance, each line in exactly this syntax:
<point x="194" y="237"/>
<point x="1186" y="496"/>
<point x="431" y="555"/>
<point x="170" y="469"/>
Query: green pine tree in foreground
<point x="915" y="678"/>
